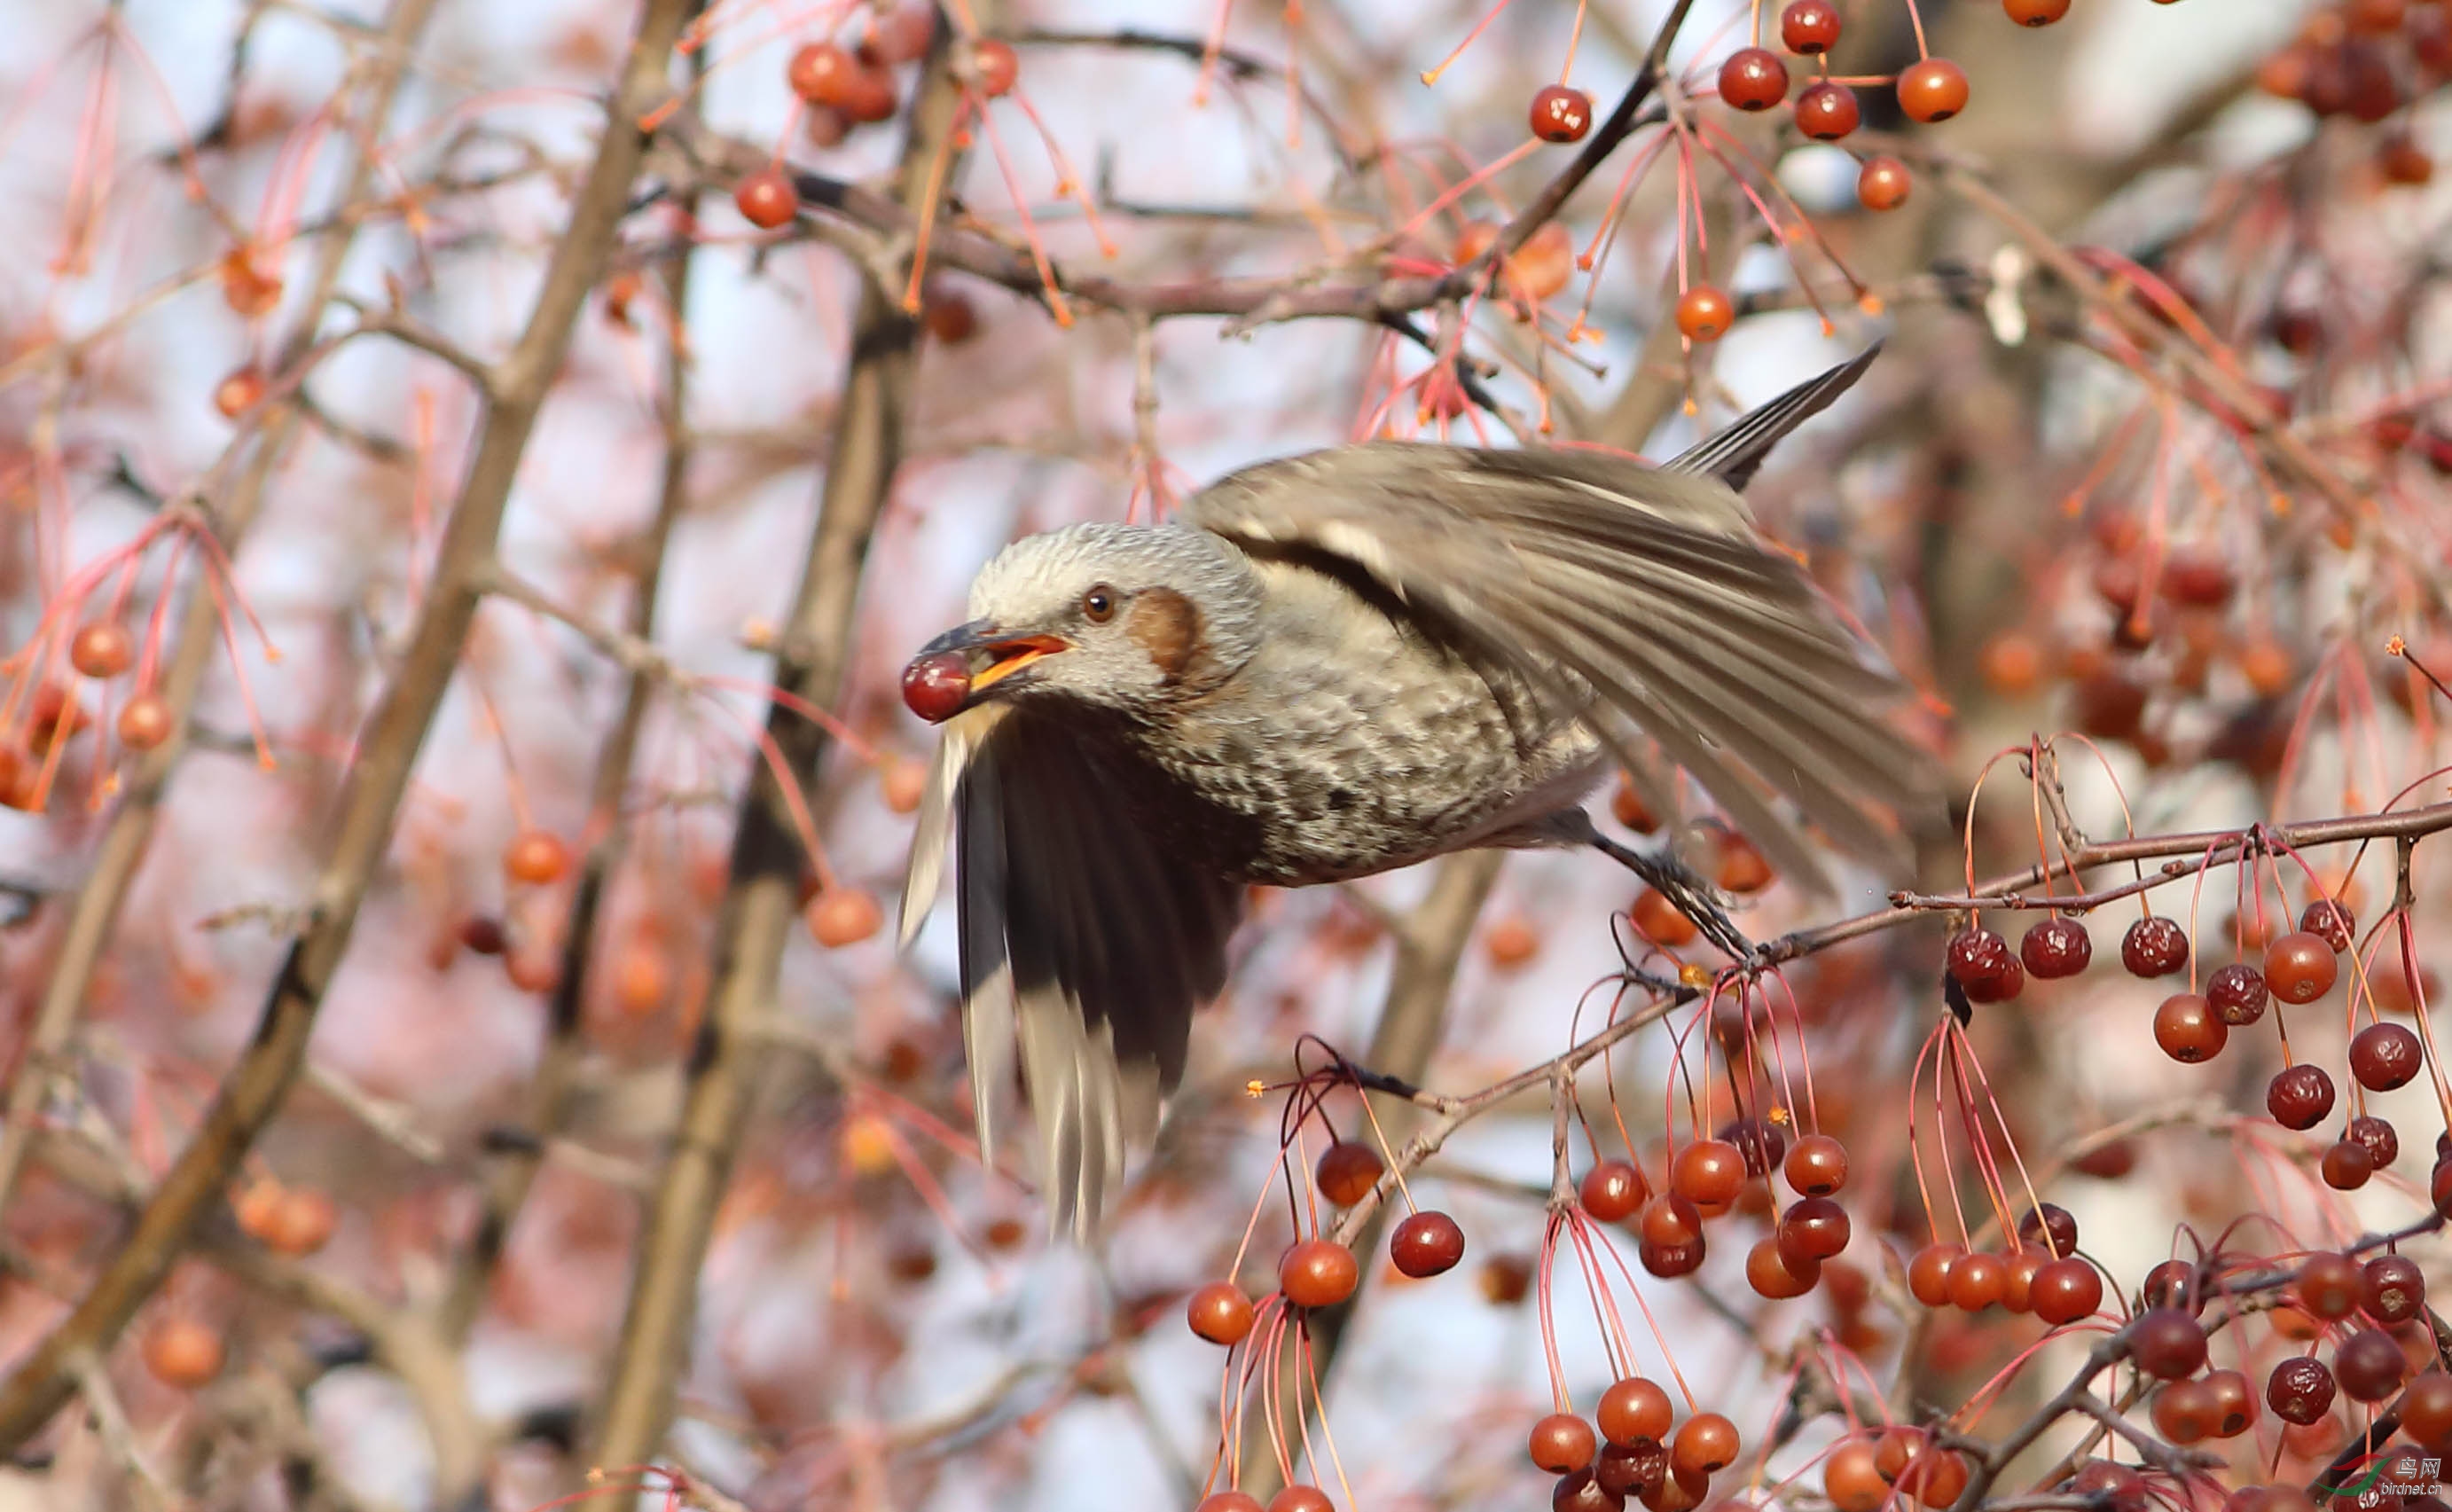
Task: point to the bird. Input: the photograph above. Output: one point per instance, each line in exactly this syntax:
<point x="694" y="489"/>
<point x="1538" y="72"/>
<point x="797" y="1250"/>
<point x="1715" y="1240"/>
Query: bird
<point x="1336" y="665"/>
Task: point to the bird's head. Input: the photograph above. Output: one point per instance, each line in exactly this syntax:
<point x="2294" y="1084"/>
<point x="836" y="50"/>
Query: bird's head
<point x="1126" y="617"/>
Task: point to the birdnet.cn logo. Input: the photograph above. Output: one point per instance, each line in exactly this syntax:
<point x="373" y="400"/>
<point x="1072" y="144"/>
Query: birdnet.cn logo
<point x="2385" y="1475"/>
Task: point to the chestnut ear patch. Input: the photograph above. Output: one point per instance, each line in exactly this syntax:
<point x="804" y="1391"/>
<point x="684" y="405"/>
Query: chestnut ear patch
<point x="1168" y="628"/>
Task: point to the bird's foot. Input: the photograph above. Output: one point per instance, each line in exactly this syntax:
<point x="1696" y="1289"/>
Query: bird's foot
<point x="1688" y="893"/>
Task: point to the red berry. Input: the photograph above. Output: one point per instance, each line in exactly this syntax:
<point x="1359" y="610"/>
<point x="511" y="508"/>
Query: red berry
<point x="1632" y="1469"/>
<point x="1561" y="113"/>
<point x="992" y="67"/>
<point x="2238" y="994"/>
<point x="1753" y="79"/>
<point x="2346" y="1165"/>
<point x="1346" y="1172"/>
<point x="2154" y="946"/>
<point x="239" y="392"/>
<point x="2330" y="1287"/>
<point x="1669" y="1261"/>
<point x="2300" y="967"/>
<point x="2234" y="1403"/>
<point x="1219" y="1313"/>
<point x="1977" y="1281"/>
<point x="1816" y="1166"/>
<point x="1929" y="1273"/>
<point x="2185" y="1411"/>
<point x="1705" y="1444"/>
<point x="2380" y="1140"/>
<point x="1882" y="184"/>
<point x="1778" y="1274"/>
<point x="2369" y="1366"/>
<point x="2392" y="1290"/>
<point x="2035" y="12"/>
<point x="820" y="73"/>
<point x="1561" y="1442"/>
<point x="766" y="198"/>
<point x="1708" y="1172"/>
<point x="1229" y="1501"/>
<point x="1669" y="1221"/>
<point x="1932" y="92"/>
<point x="2384" y="1056"/>
<point x="2188" y="1029"/>
<point x="2299" y="1096"/>
<point x="2167" y="1343"/>
<point x="1426" y="1244"/>
<point x="2056" y="947"/>
<point x="1613" y="1190"/>
<point x="1827" y="111"/>
<point x="1976" y="957"/>
<point x="1704" y="313"/>
<point x="1633" y="1410"/>
<point x="2065" y="1291"/>
<point x="1810" y="26"/>
<point x="936" y="688"/>
<point x="2426" y="1410"/>
<point x="1813" y="1228"/>
<point x="1302" y="1499"/>
<point x="2300" y="1390"/>
<point x="2050" y="1227"/>
<point x="1317" y="1273"/>
<point x="2331" y="920"/>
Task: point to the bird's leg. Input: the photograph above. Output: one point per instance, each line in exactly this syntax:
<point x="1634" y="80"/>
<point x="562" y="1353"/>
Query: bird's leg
<point x="1686" y="893"/>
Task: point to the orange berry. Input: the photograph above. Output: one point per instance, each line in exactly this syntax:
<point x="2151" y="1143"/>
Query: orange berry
<point x="866" y="1144"/>
<point x="536" y="857"/>
<point x="1933" y="91"/>
<point x="239" y="392"/>
<point x="642" y="978"/>
<point x="1511" y="942"/>
<point x="145" y="723"/>
<point x="300" y="1222"/>
<point x="840" y="916"/>
<point x="103" y="649"/>
<point x="766" y="198"/>
<point x="183" y="1352"/>
<point x="1704" y="313"/>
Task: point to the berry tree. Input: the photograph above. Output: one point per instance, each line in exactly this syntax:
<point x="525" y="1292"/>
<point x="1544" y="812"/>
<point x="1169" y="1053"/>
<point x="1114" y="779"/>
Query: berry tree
<point x="475" y="480"/>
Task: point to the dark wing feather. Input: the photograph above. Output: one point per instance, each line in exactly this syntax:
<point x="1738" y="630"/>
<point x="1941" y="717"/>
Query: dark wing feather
<point x="1638" y="590"/>
<point x="1084" y="946"/>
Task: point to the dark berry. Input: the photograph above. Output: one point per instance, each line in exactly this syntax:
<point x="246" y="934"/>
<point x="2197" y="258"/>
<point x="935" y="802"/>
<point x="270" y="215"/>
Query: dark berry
<point x="1753" y="79"/>
<point x="936" y="688"/>
<point x="1810" y="26"/>
<point x="2382" y="1139"/>
<point x="2056" y="947"/>
<point x="2167" y="1343"/>
<point x="2300" y="1390"/>
<point x="2238" y="994"/>
<point x="2331" y="920"/>
<point x="2049" y="1222"/>
<point x="2299" y="1096"/>
<point x="1426" y="1244"/>
<point x="2369" y="1366"/>
<point x="1827" y="111"/>
<point x="1561" y="113"/>
<point x="2392" y="1289"/>
<point x="2384" y="1056"/>
<point x="2154" y="946"/>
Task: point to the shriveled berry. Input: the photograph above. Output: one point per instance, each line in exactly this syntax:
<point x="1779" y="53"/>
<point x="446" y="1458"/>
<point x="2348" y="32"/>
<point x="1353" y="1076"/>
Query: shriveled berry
<point x="2300" y="1390"/>
<point x="2154" y="946"/>
<point x="1561" y="113"/>
<point x="2056" y="947"/>
<point x="1758" y="1140"/>
<point x="1753" y="79"/>
<point x="2381" y="1141"/>
<point x="1346" y="1172"/>
<point x="2384" y="1056"/>
<point x="2238" y="994"/>
<point x="1220" y="1313"/>
<point x="1426" y="1244"/>
<point x="1932" y="92"/>
<point x="1582" y="1491"/>
<point x="2330" y="920"/>
<point x="1632" y="1469"/>
<point x="2299" y="1096"/>
<point x="936" y="688"/>
<point x="2000" y="988"/>
<point x="2300" y="967"/>
<point x="1827" y="111"/>
<point x="1319" y="1273"/>
<point x="1975" y="957"/>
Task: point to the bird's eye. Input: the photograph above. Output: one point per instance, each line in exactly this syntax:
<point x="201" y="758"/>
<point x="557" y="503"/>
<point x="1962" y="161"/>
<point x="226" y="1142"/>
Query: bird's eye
<point x="1099" y="605"/>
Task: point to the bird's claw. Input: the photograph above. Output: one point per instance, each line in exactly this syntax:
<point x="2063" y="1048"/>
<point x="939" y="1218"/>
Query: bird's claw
<point x="1688" y="893"/>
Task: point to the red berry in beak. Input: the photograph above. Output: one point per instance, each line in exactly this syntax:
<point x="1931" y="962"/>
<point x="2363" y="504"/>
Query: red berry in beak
<point x="935" y="686"/>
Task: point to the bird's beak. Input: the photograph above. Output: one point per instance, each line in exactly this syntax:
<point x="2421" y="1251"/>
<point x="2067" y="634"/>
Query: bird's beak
<point x="986" y="654"/>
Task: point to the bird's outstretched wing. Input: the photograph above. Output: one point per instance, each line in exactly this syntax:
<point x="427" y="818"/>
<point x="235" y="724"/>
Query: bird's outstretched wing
<point x="1084" y="946"/>
<point x="1642" y="586"/>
